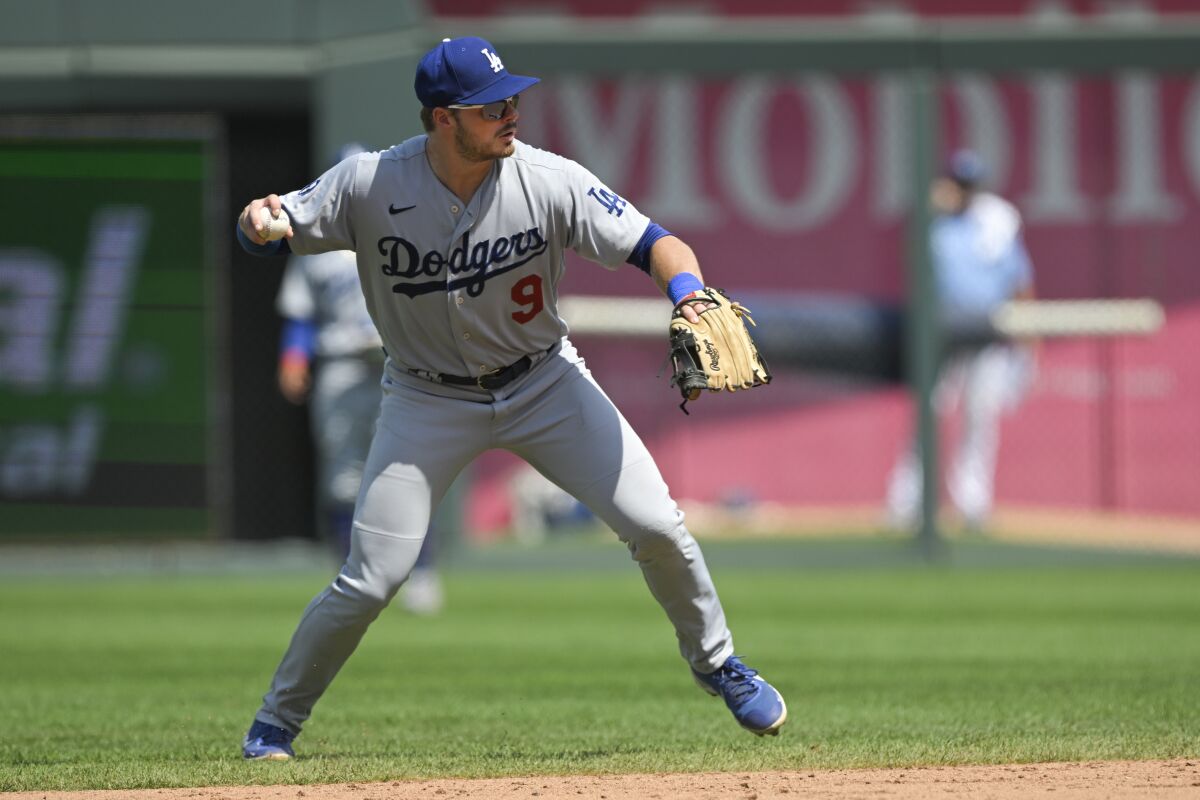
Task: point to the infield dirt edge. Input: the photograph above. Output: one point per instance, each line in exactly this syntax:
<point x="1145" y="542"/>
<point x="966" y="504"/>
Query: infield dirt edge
<point x="1175" y="778"/>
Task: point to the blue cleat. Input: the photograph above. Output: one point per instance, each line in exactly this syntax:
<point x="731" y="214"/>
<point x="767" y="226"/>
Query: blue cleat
<point x="755" y="704"/>
<point x="265" y="742"/>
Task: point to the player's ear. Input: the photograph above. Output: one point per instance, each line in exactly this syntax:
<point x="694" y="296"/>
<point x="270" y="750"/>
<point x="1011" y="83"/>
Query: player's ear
<point x="443" y="116"/>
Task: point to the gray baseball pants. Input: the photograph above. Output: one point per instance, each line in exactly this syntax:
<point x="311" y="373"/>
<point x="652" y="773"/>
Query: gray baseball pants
<point x="559" y="420"/>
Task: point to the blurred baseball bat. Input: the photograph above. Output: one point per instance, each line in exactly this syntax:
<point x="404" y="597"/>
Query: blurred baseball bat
<point x="858" y="336"/>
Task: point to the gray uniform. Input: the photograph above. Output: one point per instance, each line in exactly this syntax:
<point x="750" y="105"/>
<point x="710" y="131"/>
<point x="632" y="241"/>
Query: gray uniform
<point x="462" y="290"/>
<point x="324" y="290"/>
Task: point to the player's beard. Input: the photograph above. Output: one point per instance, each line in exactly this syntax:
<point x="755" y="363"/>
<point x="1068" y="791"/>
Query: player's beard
<point x="489" y="151"/>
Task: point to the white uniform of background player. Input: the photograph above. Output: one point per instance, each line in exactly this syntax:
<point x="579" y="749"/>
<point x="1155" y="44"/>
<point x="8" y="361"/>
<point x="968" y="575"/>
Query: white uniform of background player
<point x="331" y="356"/>
<point x="980" y="262"/>
<point x="460" y="237"/>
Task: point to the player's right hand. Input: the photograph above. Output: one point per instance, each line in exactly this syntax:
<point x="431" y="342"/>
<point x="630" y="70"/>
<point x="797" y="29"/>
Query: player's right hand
<point x="251" y="223"/>
<point x="295" y="379"/>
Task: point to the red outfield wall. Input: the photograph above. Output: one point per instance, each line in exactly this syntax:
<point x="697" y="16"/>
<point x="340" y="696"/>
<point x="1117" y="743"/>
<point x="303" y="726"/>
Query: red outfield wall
<point x="798" y="182"/>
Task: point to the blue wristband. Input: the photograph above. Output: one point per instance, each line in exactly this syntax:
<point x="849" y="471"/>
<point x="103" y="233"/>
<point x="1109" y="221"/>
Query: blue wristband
<point x="682" y="285"/>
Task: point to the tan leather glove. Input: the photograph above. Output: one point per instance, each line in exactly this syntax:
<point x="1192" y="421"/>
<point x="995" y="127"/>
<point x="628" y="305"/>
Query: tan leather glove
<point x="717" y="352"/>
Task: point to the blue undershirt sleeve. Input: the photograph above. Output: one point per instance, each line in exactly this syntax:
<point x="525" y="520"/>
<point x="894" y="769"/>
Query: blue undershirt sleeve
<point x="299" y="336"/>
<point x="640" y="257"/>
<point x="279" y="247"/>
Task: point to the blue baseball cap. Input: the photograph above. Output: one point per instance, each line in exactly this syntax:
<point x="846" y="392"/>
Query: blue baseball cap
<point x="465" y="71"/>
<point x="967" y="167"/>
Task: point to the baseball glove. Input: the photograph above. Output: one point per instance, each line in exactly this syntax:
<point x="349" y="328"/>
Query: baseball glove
<point x="717" y="352"/>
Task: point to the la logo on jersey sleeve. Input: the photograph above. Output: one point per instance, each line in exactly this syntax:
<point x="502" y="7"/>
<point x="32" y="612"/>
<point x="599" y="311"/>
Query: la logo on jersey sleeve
<point x="611" y="201"/>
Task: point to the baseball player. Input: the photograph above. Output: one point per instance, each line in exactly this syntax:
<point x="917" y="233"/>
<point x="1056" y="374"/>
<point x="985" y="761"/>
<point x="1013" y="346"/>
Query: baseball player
<point x="979" y="262"/>
<point x="460" y="236"/>
<point x="326" y="324"/>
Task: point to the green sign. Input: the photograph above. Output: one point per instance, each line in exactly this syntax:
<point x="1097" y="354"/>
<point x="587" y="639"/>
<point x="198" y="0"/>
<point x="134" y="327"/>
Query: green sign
<point x="105" y="419"/>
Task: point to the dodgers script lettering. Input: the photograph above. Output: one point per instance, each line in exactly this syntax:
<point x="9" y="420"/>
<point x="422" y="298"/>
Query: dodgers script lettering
<point x="470" y="261"/>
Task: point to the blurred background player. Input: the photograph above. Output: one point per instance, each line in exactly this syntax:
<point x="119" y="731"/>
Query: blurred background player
<point x="331" y="357"/>
<point x="540" y="507"/>
<point x="979" y="263"/>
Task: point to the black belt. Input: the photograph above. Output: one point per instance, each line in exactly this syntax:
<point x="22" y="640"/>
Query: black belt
<point x="496" y="379"/>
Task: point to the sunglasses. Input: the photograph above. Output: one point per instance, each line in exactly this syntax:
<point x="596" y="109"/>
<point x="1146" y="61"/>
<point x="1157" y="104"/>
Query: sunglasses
<point x="496" y="110"/>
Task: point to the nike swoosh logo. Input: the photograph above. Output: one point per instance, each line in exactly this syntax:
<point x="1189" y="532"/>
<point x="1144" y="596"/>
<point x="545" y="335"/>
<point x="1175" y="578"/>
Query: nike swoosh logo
<point x="393" y="210"/>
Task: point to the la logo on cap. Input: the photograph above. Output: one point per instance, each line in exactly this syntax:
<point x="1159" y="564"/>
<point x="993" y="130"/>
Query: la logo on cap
<point x="493" y="60"/>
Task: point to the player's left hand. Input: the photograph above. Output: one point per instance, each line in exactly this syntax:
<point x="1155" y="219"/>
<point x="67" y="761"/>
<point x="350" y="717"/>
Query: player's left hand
<point x="693" y="306"/>
<point x="711" y="347"/>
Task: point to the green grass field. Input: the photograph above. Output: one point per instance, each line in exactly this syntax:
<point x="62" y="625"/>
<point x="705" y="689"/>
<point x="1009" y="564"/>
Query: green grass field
<point x="558" y="662"/>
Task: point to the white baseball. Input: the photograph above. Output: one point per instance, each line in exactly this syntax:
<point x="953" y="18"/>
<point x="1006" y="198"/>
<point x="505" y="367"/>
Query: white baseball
<point x="273" y="227"/>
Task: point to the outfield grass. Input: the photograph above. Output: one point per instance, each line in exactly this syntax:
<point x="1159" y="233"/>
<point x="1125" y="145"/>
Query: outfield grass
<point x="151" y="681"/>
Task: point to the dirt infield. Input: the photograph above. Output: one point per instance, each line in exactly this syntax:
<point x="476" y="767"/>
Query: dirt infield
<point x="1090" y="781"/>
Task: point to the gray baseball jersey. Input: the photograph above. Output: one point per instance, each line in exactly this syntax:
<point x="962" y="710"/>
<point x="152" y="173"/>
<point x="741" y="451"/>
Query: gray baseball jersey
<point x="461" y="289"/>
<point x="324" y="289"/>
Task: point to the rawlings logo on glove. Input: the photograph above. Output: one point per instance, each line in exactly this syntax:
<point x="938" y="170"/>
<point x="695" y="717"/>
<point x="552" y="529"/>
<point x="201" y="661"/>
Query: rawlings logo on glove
<point x="717" y="352"/>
